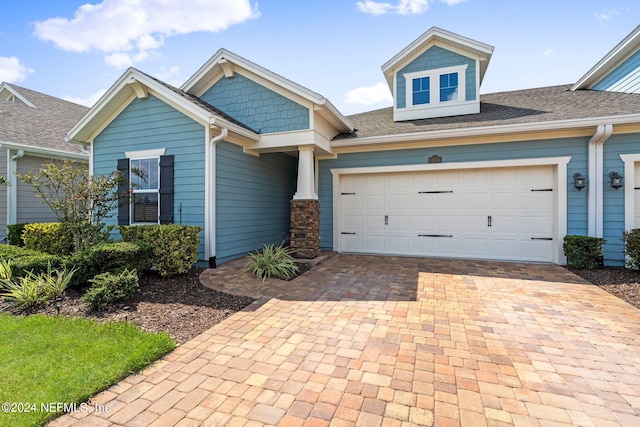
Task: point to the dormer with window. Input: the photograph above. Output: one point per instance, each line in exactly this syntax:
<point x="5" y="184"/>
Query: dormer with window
<point x="437" y="75"/>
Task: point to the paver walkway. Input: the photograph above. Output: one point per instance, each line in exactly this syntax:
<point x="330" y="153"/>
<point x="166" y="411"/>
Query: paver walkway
<point x="372" y="341"/>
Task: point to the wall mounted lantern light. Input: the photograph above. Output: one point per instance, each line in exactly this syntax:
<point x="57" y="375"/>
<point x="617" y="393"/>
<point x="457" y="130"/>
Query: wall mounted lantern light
<point x="617" y="180"/>
<point x="579" y="181"/>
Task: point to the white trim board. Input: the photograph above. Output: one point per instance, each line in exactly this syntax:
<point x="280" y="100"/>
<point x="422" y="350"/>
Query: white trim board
<point x="561" y="184"/>
<point x="630" y="161"/>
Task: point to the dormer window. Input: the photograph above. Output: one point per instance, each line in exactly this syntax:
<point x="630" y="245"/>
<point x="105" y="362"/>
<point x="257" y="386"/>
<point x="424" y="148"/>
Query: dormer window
<point x="444" y="82"/>
<point x="449" y="87"/>
<point x="421" y="90"/>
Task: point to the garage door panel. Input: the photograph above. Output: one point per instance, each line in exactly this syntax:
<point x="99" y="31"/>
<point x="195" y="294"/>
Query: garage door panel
<point x="637" y="196"/>
<point x="353" y="223"/>
<point x="489" y="213"/>
<point x="352" y="202"/>
<point x="353" y="243"/>
<point x="375" y="243"/>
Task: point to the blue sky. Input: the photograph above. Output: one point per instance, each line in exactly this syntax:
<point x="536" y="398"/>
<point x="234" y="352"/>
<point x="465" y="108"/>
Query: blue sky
<point x="76" y="50"/>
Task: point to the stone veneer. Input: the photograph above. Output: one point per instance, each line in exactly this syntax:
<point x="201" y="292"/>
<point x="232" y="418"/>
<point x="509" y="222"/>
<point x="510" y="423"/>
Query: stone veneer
<point x="305" y="228"/>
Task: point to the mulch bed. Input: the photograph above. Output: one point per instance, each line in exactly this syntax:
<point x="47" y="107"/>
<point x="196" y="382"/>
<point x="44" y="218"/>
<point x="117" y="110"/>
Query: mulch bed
<point x="180" y="305"/>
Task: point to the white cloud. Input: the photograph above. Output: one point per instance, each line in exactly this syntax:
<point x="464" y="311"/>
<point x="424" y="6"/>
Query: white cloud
<point x="403" y="7"/>
<point x="412" y="7"/>
<point x="547" y="52"/>
<point x="129" y="31"/>
<point x="373" y="7"/>
<point x="368" y="95"/>
<point x="88" y="102"/>
<point x="605" y="14"/>
<point x="12" y="70"/>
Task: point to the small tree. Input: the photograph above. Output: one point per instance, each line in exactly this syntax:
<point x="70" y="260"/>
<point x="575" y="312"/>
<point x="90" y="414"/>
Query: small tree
<point x="81" y="202"/>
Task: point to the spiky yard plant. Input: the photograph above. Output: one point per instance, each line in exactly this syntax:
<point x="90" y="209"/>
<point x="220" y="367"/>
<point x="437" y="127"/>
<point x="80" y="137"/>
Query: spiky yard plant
<point x="273" y="261"/>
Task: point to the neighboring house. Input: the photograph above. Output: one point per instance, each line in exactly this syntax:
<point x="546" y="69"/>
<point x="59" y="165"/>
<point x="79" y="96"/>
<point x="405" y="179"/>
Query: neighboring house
<point x="33" y="127"/>
<point x="253" y="157"/>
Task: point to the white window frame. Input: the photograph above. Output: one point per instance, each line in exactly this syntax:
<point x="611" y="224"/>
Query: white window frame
<point x="434" y="86"/>
<point x="143" y="191"/>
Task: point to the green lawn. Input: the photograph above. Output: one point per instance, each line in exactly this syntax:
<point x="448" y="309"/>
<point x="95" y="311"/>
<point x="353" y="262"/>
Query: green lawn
<point x="47" y="361"/>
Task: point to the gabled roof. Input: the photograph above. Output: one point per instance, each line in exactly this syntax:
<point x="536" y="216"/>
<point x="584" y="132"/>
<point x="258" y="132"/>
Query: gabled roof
<point x="438" y="36"/>
<point x="226" y="63"/>
<point x="554" y="107"/>
<point x="617" y="55"/>
<point x="36" y="122"/>
<point x="134" y="83"/>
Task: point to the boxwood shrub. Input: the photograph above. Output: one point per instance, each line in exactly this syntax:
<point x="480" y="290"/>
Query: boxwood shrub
<point x="583" y="251"/>
<point x="110" y="257"/>
<point x="108" y="287"/>
<point x="50" y="237"/>
<point x="175" y="247"/>
<point x="27" y="260"/>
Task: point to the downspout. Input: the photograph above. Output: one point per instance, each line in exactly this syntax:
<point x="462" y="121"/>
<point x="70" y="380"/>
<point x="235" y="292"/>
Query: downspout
<point x="12" y="194"/>
<point x="210" y="211"/>
<point x="596" y="183"/>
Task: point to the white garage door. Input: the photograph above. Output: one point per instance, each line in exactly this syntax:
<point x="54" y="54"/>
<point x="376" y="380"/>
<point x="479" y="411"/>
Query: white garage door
<point x="503" y="213"/>
<point x="636" y="187"/>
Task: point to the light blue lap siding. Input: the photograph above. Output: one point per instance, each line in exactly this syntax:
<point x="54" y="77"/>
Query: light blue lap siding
<point x="614" y="199"/>
<point x="148" y="124"/>
<point x="262" y="109"/>
<point x="576" y="148"/>
<point x="624" y="78"/>
<point x="431" y="59"/>
<point x="253" y="197"/>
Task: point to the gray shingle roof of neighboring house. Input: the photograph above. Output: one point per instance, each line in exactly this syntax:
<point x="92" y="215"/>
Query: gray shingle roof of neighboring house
<point x="44" y="126"/>
<point x="545" y="104"/>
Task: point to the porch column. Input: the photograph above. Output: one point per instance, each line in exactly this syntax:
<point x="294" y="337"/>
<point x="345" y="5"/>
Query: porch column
<point x="306" y="189"/>
<point x="305" y="208"/>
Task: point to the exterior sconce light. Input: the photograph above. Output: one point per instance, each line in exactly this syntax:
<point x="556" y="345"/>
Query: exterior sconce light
<point x="579" y="181"/>
<point x="617" y="180"/>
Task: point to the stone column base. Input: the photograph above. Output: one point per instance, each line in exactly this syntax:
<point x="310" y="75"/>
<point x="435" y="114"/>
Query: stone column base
<point x="305" y="228"/>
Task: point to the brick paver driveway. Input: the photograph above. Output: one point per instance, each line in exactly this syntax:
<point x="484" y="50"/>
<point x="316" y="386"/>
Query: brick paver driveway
<point x="369" y="340"/>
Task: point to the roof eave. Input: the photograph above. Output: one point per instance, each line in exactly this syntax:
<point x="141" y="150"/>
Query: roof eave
<point x="616" y="55"/>
<point x="43" y="150"/>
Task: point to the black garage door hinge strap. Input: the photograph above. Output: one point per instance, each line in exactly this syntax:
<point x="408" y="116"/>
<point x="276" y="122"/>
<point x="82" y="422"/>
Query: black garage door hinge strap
<point x="542" y="238"/>
<point x="435" y="235"/>
<point x="435" y="192"/>
<point x="542" y="189"/>
<point x="344" y="232"/>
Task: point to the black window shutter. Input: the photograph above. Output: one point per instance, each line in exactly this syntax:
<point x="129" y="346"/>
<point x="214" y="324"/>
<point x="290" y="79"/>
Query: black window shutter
<point x="166" y="189"/>
<point x="123" y="192"/>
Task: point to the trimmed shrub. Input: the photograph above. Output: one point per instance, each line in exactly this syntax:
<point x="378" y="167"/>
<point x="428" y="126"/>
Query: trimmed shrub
<point x="108" y="287"/>
<point x="175" y="247"/>
<point x="632" y="247"/>
<point x="14" y="235"/>
<point x="583" y="251"/>
<point x="112" y="258"/>
<point x="50" y="237"/>
<point x="24" y="260"/>
<point x="273" y="261"/>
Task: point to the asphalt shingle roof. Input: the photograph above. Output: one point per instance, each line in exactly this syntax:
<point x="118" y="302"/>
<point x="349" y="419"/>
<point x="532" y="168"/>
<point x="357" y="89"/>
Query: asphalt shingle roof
<point x="42" y="127"/>
<point x="545" y="104"/>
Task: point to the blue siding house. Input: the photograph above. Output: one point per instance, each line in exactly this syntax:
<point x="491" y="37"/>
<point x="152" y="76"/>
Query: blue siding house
<point x="255" y="158"/>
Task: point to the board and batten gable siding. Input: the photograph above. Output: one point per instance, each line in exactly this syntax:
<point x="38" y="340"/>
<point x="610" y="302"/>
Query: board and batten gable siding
<point x="3" y="193"/>
<point x="256" y="106"/>
<point x="613" y="209"/>
<point x="148" y="124"/>
<point x="431" y="59"/>
<point x="29" y="207"/>
<point x="624" y="78"/>
<point x="253" y="197"/>
<point x="576" y="148"/>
